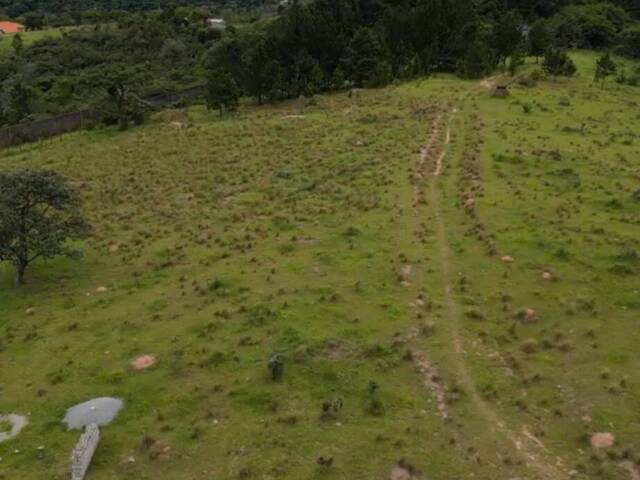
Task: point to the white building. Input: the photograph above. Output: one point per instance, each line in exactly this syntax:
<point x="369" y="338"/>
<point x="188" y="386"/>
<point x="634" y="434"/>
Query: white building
<point x="217" y="23"/>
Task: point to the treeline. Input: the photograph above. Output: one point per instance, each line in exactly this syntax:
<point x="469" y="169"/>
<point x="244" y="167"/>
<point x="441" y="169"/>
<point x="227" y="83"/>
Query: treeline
<point x="309" y="47"/>
<point x="57" y="11"/>
<point x="334" y="43"/>
<point x="140" y="56"/>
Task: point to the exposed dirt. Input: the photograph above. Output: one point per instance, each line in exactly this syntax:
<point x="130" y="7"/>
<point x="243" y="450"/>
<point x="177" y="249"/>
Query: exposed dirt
<point x="489" y="83"/>
<point x="159" y="450"/>
<point x="632" y="468"/>
<point x="602" y="440"/>
<point x="440" y="160"/>
<point x="405" y="275"/>
<point x="433" y="383"/>
<point x="143" y="362"/>
<point x="403" y="472"/>
<point x="425" y="151"/>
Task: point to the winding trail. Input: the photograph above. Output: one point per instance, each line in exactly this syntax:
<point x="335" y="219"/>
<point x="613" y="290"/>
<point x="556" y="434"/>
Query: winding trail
<point x="525" y="445"/>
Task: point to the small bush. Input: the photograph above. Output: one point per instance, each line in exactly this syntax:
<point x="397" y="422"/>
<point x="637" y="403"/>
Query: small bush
<point x="474" y="314"/>
<point x="529" y="346"/>
<point x="275" y="366"/>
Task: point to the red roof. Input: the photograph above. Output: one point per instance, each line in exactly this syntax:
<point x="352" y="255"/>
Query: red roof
<point x="10" y="27"/>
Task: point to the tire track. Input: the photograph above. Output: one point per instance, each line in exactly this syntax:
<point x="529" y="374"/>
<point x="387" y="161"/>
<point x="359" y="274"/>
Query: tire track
<point x="528" y="447"/>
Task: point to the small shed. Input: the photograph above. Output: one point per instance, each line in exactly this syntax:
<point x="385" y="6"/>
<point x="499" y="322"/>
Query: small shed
<point x="501" y="91"/>
<point x="216" y="23"/>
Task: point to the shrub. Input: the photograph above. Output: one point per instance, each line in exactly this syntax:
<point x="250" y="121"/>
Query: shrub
<point x="558" y="63"/>
<point x="529" y="346"/>
<point x="373" y="405"/>
<point x="630" y="39"/>
<point x="275" y="366"/>
<point x="261" y="314"/>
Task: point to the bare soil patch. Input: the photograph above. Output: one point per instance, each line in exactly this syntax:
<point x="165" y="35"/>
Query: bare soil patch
<point x="602" y="440"/>
<point x="143" y="362"/>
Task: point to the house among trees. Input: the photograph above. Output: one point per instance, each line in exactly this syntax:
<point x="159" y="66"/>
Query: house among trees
<point x="10" y="27"/>
<point x="216" y="23"/>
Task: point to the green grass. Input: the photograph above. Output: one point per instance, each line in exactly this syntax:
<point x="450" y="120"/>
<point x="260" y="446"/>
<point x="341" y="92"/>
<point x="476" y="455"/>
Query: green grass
<point x="31" y="37"/>
<point x="232" y="240"/>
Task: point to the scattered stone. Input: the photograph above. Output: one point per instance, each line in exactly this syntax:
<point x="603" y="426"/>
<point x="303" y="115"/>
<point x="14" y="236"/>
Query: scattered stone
<point x="159" y="450"/>
<point x="402" y="471"/>
<point x="16" y="422"/>
<point x="528" y="315"/>
<point x="405" y="275"/>
<point x="101" y="289"/>
<point x="143" y="362"/>
<point x="507" y="259"/>
<point x="114" y="248"/>
<point x="547" y="276"/>
<point x="30" y="311"/>
<point x="100" y="411"/>
<point x="632" y="468"/>
<point x="602" y="440"/>
<point x="432" y="382"/>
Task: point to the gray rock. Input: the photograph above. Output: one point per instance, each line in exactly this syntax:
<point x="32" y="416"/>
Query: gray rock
<point x="100" y="411"/>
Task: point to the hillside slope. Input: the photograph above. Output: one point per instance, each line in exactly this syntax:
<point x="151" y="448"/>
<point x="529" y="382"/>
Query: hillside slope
<point x="451" y="283"/>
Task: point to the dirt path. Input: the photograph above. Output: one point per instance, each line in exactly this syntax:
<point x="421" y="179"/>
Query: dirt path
<point x="440" y="160"/>
<point x="425" y="150"/>
<point x="526" y="445"/>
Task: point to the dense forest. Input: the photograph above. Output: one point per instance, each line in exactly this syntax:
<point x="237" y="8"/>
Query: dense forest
<point x="74" y="8"/>
<point x="307" y="48"/>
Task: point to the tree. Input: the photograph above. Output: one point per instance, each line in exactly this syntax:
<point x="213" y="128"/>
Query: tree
<point x="34" y="21"/>
<point x="477" y="62"/>
<point x="539" y="39"/>
<point x="305" y="75"/>
<point x="173" y="52"/>
<point x="516" y="61"/>
<point x="605" y="67"/>
<point x="17" y="43"/>
<point x="222" y="91"/>
<point x="15" y="101"/>
<point x="365" y="60"/>
<point x="122" y="103"/>
<point x="631" y="41"/>
<point x="39" y="213"/>
<point x="507" y="36"/>
<point x="557" y="62"/>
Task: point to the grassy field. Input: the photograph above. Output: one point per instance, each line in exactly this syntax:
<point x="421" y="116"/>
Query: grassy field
<point x="450" y="279"/>
<point x="31" y="37"/>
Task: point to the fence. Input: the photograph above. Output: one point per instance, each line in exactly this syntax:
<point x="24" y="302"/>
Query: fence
<point x="29" y="132"/>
